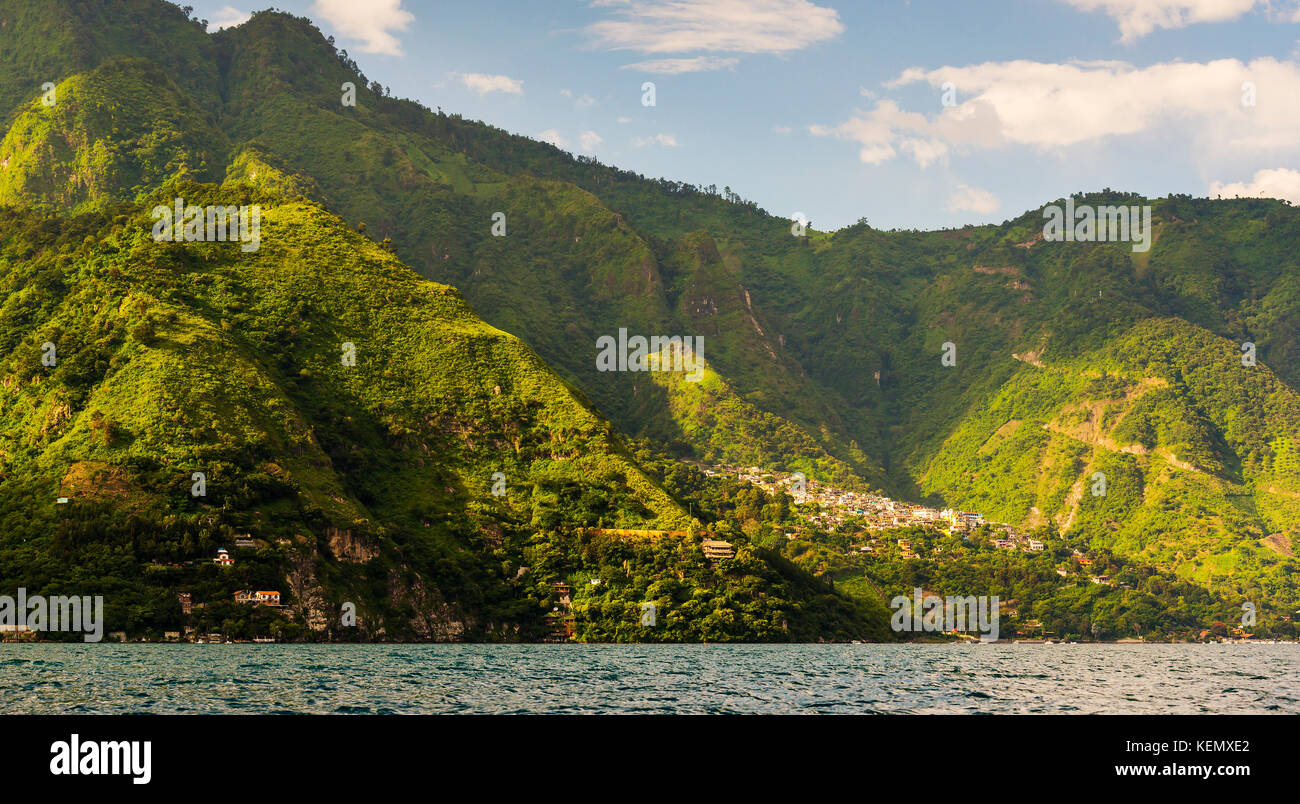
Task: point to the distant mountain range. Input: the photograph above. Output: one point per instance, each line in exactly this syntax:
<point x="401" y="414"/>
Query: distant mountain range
<point x="982" y="368"/>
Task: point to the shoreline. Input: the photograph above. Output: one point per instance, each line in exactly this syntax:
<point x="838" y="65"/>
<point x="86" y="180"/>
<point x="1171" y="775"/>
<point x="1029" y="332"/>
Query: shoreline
<point x="1000" y="642"/>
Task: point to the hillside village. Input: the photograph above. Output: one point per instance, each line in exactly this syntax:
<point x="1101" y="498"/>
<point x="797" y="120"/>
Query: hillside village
<point x="864" y="517"/>
<point x="840" y="508"/>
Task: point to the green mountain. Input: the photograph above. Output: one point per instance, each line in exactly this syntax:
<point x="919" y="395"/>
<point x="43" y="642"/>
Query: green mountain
<point x="117" y="132"/>
<point x="822" y="352"/>
<point x="358" y="428"/>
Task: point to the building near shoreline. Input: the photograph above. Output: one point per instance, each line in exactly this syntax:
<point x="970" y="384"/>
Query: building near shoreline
<point x="271" y="598"/>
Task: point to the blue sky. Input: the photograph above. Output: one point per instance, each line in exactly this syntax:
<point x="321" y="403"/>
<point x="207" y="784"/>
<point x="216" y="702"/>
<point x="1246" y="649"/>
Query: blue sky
<point x="836" y="109"/>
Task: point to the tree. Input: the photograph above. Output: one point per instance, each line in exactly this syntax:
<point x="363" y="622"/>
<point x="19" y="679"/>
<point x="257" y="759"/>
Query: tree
<point x="144" y="332"/>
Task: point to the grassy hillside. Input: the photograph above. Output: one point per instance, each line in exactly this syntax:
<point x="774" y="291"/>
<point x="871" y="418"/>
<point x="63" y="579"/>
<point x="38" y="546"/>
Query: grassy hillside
<point x="1196" y="451"/>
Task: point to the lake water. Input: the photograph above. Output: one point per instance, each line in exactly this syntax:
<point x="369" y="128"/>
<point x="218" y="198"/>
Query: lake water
<point x="49" y="679"/>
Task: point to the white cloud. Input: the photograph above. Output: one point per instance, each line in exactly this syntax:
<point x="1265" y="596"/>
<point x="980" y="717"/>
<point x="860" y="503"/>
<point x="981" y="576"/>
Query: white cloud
<point x="373" y="22"/>
<point x="1282" y="183"/>
<point x="880" y="130"/>
<point x="553" y="137"/>
<point x="781" y="129"/>
<point x="483" y="83"/>
<point x="925" y="152"/>
<point x="1137" y="18"/>
<point x="580" y="101"/>
<point x="667" y="140"/>
<point x="696" y="64"/>
<point x="588" y="140"/>
<point x="1054" y="106"/>
<point x="625" y="120"/>
<point x="972" y="199"/>
<point x="228" y="17"/>
<point x="693" y="26"/>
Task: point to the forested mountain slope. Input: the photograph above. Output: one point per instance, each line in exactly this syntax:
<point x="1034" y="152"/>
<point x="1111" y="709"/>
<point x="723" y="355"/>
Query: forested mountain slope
<point x="823" y="351"/>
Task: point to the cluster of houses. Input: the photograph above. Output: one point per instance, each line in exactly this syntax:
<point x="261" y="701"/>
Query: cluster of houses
<point x="874" y="512"/>
<point x="836" y="506"/>
<point x="905" y="546"/>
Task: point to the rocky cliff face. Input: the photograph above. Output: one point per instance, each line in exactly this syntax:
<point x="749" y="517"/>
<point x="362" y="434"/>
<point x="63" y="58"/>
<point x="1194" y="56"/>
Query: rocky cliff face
<point x="347" y="547"/>
<point x="308" y="595"/>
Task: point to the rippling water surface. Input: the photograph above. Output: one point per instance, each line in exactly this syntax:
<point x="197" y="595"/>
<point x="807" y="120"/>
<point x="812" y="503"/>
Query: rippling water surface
<point x="649" y="678"/>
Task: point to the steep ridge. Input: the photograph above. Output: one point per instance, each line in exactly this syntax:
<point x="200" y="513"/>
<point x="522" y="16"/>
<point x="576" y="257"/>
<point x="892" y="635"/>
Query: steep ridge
<point x="568" y="269"/>
<point x="117" y="132"/>
<point x="345" y="415"/>
<point x="301" y="391"/>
